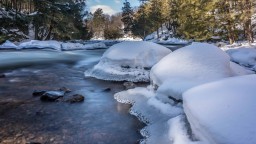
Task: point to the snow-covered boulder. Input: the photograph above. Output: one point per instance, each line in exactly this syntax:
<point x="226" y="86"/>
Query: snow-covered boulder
<point x="245" y="56"/>
<point x="8" y="45"/>
<point x="36" y="44"/>
<point x="223" y="112"/>
<point x="128" y="61"/>
<point x="79" y="46"/>
<point x="190" y="66"/>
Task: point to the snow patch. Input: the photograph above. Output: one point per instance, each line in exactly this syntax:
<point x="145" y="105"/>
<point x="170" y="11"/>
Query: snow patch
<point x="8" y="45"/>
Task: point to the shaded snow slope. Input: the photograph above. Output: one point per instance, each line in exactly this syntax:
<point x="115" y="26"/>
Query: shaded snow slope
<point x="128" y="61"/>
<point x="36" y="44"/>
<point x="223" y="111"/>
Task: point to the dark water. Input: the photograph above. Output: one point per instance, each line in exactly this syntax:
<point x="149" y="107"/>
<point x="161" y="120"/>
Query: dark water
<point x="25" y="119"/>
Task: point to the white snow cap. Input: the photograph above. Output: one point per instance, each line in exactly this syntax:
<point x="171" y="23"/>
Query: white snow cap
<point x="79" y="46"/>
<point x="190" y="66"/>
<point x="41" y="44"/>
<point x="223" y="112"/>
<point x="8" y="45"/>
<point x="128" y="61"/>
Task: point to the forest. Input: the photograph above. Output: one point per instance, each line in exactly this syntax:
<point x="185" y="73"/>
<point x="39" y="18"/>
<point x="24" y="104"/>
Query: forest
<point x="199" y="20"/>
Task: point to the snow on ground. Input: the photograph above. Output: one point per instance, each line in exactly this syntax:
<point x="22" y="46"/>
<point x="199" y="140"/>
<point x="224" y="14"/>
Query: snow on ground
<point x="177" y="72"/>
<point x="223" y="112"/>
<point x="8" y="45"/>
<point x="164" y="37"/>
<point x="128" y="61"/>
<point x="36" y="44"/>
<point x="190" y="66"/>
<point x="79" y="46"/>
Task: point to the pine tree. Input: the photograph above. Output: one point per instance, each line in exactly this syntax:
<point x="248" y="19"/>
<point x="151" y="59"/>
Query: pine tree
<point x="127" y="16"/>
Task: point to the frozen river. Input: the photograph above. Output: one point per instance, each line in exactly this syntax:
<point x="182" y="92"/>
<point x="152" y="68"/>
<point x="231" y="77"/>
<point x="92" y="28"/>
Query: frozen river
<point x="25" y="119"/>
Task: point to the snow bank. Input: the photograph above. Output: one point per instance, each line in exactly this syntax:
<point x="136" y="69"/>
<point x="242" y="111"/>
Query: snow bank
<point x="223" y="111"/>
<point x="79" y="46"/>
<point x="8" y="45"/>
<point x="128" y="61"/>
<point x="244" y="56"/>
<point x="35" y="44"/>
<point x="165" y="37"/>
<point x="190" y="66"/>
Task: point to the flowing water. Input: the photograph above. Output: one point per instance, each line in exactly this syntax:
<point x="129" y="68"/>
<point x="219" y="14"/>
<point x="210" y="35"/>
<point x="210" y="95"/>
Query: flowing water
<point x="25" y="119"/>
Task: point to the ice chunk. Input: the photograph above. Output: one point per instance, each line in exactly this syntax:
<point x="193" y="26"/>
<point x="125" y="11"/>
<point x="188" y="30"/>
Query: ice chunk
<point x="128" y="61"/>
<point x="223" y="111"/>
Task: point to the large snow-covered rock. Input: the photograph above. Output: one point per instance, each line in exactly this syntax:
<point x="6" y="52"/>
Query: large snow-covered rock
<point x="128" y="61"/>
<point x="79" y="46"/>
<point x="35" y="44"/>
<point x="8" y="45"/>
<point x="223" y="112"/>
<point x="190" y="66"/>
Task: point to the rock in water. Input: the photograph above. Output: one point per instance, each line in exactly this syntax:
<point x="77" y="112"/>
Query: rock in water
<point x="75" y="98"/>
<point x="2" y="76"/>
<point x="129" y="85"/>
<point x="66" y="90"/>
<point x="52" y="96"/>
<point x="107" y="90"/>
<point x="38" y="93"/>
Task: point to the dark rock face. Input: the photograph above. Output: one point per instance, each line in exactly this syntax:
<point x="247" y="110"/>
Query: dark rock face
<point x="75" y="98"/>
<point x="52" y="96"/>
<point x="129" y="85"/>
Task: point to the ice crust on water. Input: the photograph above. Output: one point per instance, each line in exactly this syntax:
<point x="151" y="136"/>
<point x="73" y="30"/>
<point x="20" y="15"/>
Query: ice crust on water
<point x="222" y="112"/>
<point x="128" y="61"/>
<point x="40" y="45"/>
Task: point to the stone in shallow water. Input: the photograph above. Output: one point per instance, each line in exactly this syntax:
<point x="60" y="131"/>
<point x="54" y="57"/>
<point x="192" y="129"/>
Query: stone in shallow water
<point x="129" y="85"/>
<point x="38" y="93"/>
<point x="75" y="98"/>
<point x="52" y="96"/>
<point x="2" y="75"/>
<point x="66" y="90"/>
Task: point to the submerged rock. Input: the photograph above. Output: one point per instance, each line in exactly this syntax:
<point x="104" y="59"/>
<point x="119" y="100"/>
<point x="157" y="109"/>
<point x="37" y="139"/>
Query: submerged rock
<point x="107" y="90"/>
<point x="2" y="75"/>
<point x="66" y="90"/>
<point x="52" y="96"/>
<point x="38" y="93"/>
<point x="75" y="98"/>
<point x="129" y="85"/>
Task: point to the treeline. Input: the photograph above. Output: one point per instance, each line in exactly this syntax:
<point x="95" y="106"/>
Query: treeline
<point x="195" y="19"/>
<point x="48" y="19"/>
<point x="102" y="25"/>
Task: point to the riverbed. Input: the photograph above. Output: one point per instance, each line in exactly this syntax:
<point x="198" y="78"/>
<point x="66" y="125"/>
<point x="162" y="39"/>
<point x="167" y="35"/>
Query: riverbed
<point x="26" y="119"/>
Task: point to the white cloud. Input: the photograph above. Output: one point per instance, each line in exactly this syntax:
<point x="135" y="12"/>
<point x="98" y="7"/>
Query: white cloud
<point x="117" y="1"/>
<point x="106" y="9"/>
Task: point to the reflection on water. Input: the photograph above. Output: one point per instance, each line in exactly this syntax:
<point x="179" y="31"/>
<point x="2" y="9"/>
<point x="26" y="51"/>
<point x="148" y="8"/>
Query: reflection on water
<point x="25" y="119"/>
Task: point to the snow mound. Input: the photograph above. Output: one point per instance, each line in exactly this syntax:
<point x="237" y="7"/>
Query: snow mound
<point x="35" y="44"/>
<point x="128" y="61"/>
<point x="8" y="45"/>
<point x="223" y="111"/>
<point x="190" y="66"/>
<point x="244" y="56"/>
<point x="79" y="46"/>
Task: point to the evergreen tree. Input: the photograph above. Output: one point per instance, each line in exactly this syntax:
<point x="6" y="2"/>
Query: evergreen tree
<point x="127" y="16"/>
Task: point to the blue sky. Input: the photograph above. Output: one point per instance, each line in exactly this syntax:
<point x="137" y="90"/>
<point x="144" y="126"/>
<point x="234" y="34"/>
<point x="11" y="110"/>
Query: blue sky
<point x="109" y="6"/>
